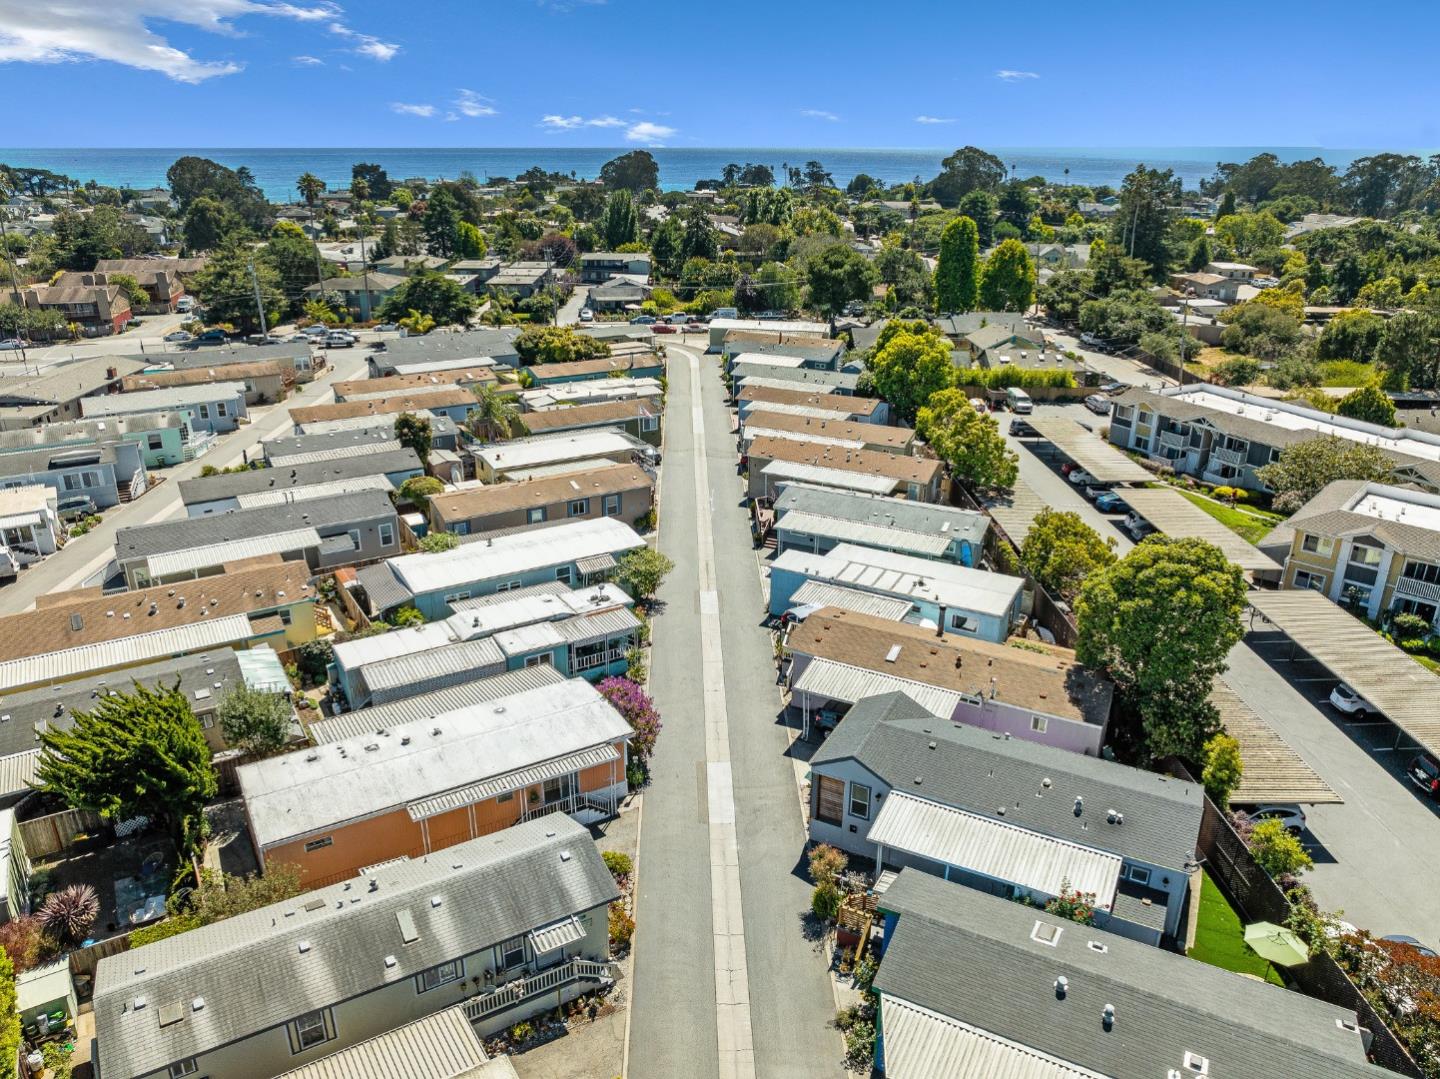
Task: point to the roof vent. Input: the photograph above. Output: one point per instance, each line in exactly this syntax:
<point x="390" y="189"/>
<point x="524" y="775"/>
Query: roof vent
<point x="312" y="757"/>
<point x="390" y="961"/>
<point x="304" y="946"/>
<point x="1196" y="1063"/>
<point x="1079" y="805"/>
<point x="1108" y="1016"/>
<point x="564" y="855"/>
<point x="1062" y="984"/>
<point x="374" y="885"/>
<point x="372" y="747"/>
<point x="76" y="622"/>
<point x="892" y="655"/>
<point x="1096" y="946"/>
<point x="1045" y="783"/>
<point x="139" y="1003"/>
<point x="198" y="1004"/>
<point x="435" y="900"/>
<point x="435" y="732"/>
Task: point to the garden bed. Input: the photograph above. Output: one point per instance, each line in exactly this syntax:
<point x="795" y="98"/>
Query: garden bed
<point x="1220" y="937"/>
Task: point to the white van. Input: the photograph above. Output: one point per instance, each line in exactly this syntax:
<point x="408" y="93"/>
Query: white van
<point x="1019" y="401"/>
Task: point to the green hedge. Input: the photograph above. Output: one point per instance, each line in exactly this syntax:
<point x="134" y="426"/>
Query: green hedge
<point x="999" y="378"/>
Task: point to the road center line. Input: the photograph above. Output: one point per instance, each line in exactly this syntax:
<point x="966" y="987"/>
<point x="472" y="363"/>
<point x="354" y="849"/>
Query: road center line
<point x="732" y="986"/>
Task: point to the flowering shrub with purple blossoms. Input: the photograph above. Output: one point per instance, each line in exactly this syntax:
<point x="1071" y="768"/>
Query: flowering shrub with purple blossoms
<point x="635" y="705"/>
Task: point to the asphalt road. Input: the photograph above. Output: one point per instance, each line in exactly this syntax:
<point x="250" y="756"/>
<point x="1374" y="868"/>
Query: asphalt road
<point x="675" y="1030"/>
<point x="88" y="554"/>
<point x="1374" y="854"/>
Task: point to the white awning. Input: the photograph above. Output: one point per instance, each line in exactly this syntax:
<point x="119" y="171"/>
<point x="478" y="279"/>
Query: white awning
<point x="600" y="563"/>
<point x="923" y="1044"/>
<point x="994" y="848"/>
<point x="510" y="781"/>
<point x="556" y="935"/>
<point x="835" y="681"/>
<point x="216" y="554"/>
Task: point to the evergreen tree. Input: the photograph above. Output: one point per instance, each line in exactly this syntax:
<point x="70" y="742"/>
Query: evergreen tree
<point x="619" y="224"/>
<point x="957" y="276"/>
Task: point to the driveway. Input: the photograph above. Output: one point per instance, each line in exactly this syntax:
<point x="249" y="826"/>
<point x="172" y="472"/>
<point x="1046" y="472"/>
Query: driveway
<point x="88" y="554"/>
<point x="569" y="314"/>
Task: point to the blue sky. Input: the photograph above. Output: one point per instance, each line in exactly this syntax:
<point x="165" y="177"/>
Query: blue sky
<point x="571" y="72"/>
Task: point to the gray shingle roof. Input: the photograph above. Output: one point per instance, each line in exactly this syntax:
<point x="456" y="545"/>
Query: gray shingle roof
<point x="252" y="975"/>
<point x="190" y="532"/>
<point x="499" y="343"/>
<point x="892" y="512"/>
<point x="969" y="955"/>
<point x="55" y="458"/>
<point x="67" y="381"/>
<point x="345" y="441"/>
<point x="231" y="484"/>
<point x="1326" y="515"/>
<point x="978" y="771"/>
<point x="829" y="381"/>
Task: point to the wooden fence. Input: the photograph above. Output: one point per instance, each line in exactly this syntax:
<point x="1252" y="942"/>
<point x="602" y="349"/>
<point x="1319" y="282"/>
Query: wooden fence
<point x="56" y="831"/>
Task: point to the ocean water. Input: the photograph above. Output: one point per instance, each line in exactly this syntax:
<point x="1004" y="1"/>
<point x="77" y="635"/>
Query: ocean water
<point x="276" y="169"/>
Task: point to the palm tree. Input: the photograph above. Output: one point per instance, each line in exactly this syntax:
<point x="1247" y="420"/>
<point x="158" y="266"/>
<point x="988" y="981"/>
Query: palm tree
<point x="309" y="185"/>
<point x="493" y="417"/>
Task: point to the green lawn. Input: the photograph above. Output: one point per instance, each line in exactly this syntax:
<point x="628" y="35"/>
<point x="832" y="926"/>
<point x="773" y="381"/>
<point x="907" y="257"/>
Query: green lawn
<point x="1220" y="938"/>
<point x="1247" y="525"/>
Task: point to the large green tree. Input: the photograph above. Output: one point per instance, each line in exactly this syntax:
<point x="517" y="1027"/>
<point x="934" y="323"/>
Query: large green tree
<point x="310" y="187"/>
<point x="1141" y="228"/>
<point x="981" y="207"/>
<point x="1009" y="280"/>
<point x="136" y="753"/>
<point x="838" y="275"/>
<point x="557" y="344"/>
<point x="957" y="274"/>
<point x="1061" y="550"/>
<point x="966" y="170"/>
<point x="1160" y="622"/>
<point x="433" y="294"/>
<point x="191" y="178"/>
<point x="494" y="416"/>
<point x="1368" y="403"/>
<point x="635" y="172"/>
<point x="254" y="720"/>
<point x="909" y="368"/>
<point x="619" y="224"/>
<point x="969" y="442"/>
<point x="414" y="433"/>
<point x="227" y="289"/>
<point x="1304" y="469"/>
<point x="80" y="240"/>
<point x="9" y="1013"/>
<point x="442" y="224"/>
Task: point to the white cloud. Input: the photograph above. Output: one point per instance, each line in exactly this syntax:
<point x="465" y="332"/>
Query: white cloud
<point x="554" y="122"/>
<point x="307" y="61"/>
<point x="366" y="44"/>
<point x="412" y="110"/>
<point x="469" y="103"/>
<point x="820" y="114"/>
<point x="934" y="119"/>
<point x="117" y="31"/>
<point x="1015" y="76"/>
<point x="648" y="133"/>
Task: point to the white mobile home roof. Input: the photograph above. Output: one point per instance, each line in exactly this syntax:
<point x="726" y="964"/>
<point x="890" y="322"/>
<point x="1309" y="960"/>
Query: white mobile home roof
<point x="422" y="367"/>
<point x="298" y="793"/>
<point x="753" y="430"/>
<point x="923" y="1044"/>
<point x="553" y="449"/>
<point x="725" y="325"/>
<point x="192" y="558"/>
<point x="953" y="586"/>
<point x="800" y="472"/>
<point x="286" y="460"/>
<point x="172" y="397"/>
<point x="921" y="544"/>
<point x="314" y="490"/>
<point x="786" y="409"/>
<point x="507" y="555"/>
<point x="834" y="681"/>
<point x="765" y="359"/>
<point x="821" y="594"/>
<point x="995" y="848"/>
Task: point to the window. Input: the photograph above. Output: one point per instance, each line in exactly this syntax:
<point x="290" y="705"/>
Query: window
<point x="317" y="844"/>
<point x="1306" y="579"/>
<point x="1426" y="611"/>
<point x="387" y="534"/>
<point x="535" y="516"/>
<point x="649" y="423"/>
<point x="1138" y="873"/>
<point x="453" y="596"/>
<point x="538" y="661"/>
<point x="860" y="801"/>
<point x="462" y="528"/>
<point x="354" y="535"/>
<point x="577" y="507"/>
<point x="1422" y="571"/>
<point x="913" y="491"/>
<point x="1365" y="555"/>
<point x="829" y="799"/>
<point x="286" y="617"/>
<point x="509" y="586"/>
<point x="184" y="1067"/>
<point x="508" y="796"/>
<point x="220" y="408"/>
<point x="563" y="574"/>
<point x="72" y="482"/>
<point x="1039" y="724"/>
<point x="511" y="953"/>
<point x="204" y="412"/>
<point x="155" y="442"/>
<point x="612" y="505"/>
<point x="310" y="1030"/>
<point x="1315" y="544"/>
<point x="961" y="624"/>
<point x="444" y="974"/>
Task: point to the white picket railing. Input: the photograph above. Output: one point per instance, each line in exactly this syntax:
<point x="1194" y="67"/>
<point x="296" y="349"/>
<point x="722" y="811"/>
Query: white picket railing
<point x="530" y="985"/>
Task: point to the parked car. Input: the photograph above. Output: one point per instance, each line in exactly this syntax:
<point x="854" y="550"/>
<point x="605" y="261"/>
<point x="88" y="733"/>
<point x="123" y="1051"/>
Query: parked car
<point x="315" y="330"/>
<point x="1079" y="477"/>
<point x="9" y="568"/>
<point x="1424" y="772"/>
<point x="1348" y="701"/>
<point x="1400" y="938"/>
<point x="1110" y="502"/>
<point x="264" y="339"/>
<point x="211" y="337"/>
<point x="1089" y="339"/>
<point x="10" y="344"/>
<point x="664" y="327"/>
<point x="725" y="312"/>
<point x="185" y="304"/>
<point x="339" y="339"/>
<point x="587" y="315"/>
<point x="643" y="320"/>
<point x="1113" y="386"/>
<point x="179" y="337"/>
<point x="1098" y="403"/>
<point x="978" y="404"/>
<point x="1093" y="491"/>
<point x="74" y="507"/>
<point x="1021" y="429"/>
<point x="1287" y="813"/>
<point x="387" y="327"/>
<point x="1137" y="527"/>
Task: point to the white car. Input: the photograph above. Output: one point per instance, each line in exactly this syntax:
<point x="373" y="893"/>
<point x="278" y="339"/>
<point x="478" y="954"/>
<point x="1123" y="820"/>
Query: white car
<point x="10" y="344"/>
<point x="1288" y="814"/>
<point x="1348" y="701"/>
<point x="978" y="405"/>
<point x="339" y="339"/>
<point x="316" y="330"/>
<point x="587" y="315"/>
<point x="1080" y="478"/>
<point x="179" y="337"/>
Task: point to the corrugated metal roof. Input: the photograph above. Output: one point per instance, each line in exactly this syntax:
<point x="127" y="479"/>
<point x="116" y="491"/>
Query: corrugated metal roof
<point x="440" y="1046"/>
<point x="1274" y="771"/>
<point x="552" y="449"/>
<point x="820" y="594"/>
<point x="834" y="681"/>
<point x="314" y="490"/>
<point x="116" y="404"/>
<point x="261" y="669"/>
<point x="123" y="651"/>
<point x="1175" y="515"/>
<point x="863" y="532"/>
<point x="556" y="935"/>
<point x="1016" y="511"/>
<point x="786" y="409"/>
<point x="921" y="1044"/>
<point x="17" y="771"/>
<point x="600" y="563"/>
<point x="513" y="781"/>
<point x="592" y="627"/>
<point x="1088" y="450"/>
<point x="215" y="554"/>
<point x="829" y="477"/>
<point x="753" y="431"/>
<point x="432" y="704"/>
<point x="1407" y="694"/>
<point x="419" y="671"/>
<point x="994" y="848"/>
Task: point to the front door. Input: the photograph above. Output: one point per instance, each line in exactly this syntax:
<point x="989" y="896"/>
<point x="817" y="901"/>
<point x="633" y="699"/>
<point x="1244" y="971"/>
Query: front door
<point x="559" y="789"/>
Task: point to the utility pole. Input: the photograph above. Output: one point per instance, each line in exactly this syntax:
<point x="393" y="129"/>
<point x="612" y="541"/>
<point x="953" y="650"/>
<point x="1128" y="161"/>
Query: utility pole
<point x="14" y="284"/>
<point x="259" y="307"/>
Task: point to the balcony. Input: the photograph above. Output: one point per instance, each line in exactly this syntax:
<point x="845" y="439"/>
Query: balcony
<point x="597" y="659"/>
<point x="1174" y="439"/>
<point x="592" y="807"/>
<point x="1413" y="589"/>
<point x="197" y="445"/>
<point x="536" y="985"/>
<point x="1229" y="456"/>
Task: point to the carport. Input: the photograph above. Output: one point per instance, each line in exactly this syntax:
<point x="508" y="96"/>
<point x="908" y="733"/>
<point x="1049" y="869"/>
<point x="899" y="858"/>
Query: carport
<point x="1274" y="772"/>
<point x="1175" y="515"/>
<point x="1403" y="691"/>
<point x="1088" y="450"/>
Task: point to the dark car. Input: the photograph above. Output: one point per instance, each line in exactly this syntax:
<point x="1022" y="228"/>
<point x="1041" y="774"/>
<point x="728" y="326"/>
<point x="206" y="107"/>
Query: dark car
<point x="1110" y="502"/>
<point x="211" y="337"/>
<point x="1022" y="429"/>
<point x="1113" y="387"/>
<point x="1424" y="772"/>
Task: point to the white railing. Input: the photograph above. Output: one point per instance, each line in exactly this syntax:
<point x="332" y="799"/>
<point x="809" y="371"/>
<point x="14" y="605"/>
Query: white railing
<point x="597" y="659"/>
<point x="1229" y="456"/>
<point x="572" y="803"/>
<point x="197" y="445"/>
<point x="531" y="985"/>
<point x="1408" y="586"/>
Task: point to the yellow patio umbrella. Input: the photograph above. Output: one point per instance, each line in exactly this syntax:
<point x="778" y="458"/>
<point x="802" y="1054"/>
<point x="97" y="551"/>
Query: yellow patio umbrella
<point x="1277" y="944"/>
